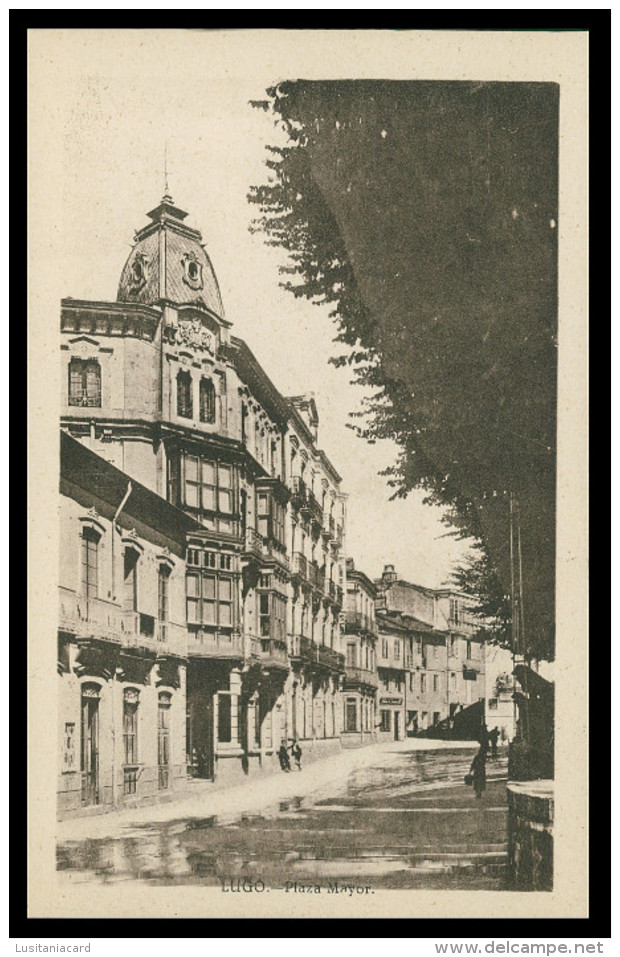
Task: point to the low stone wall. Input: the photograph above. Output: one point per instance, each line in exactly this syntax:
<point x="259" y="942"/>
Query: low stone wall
<point x="530" y="835"/>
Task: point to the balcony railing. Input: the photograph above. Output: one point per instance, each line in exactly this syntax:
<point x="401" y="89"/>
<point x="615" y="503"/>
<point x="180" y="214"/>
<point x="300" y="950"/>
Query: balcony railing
<point x="253" y="542"/>
<point x="314" y="576"/>
<point x="330" y="658"/>
<point x="300" y="566"/>
<point x="214" y="644"/>
<point x="299" y="493"/>
<point x="299" y="646"/>
<point x="265" y="548"/>
<point x="138" y="630"/>
<point x="313" y="507"/>
<point x="88" y="617"/>
<point x="360" y="676"/>
<point x="355" y="621"/>
<point x="274" y="653"/>
<point x="171" y="638"/>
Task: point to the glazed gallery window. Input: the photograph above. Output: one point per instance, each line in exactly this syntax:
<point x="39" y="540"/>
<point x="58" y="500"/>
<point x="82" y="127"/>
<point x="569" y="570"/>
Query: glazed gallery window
<point x="272" y="615"/>
<point x="210" y="600"/>
<point x="85" y="383"/>
<point x="207" y="401"/>
<point x="209" y="487"/>
<point x="185" y="405"/>
<point x="270" y="517"/>
<point x="90" y="563"/>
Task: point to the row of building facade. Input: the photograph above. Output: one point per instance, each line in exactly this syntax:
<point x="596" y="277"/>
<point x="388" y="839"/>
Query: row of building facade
<point x="207" y="612"/>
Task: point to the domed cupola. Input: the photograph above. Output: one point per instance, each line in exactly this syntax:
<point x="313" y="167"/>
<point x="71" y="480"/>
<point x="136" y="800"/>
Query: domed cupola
<point x="168" y="262"/>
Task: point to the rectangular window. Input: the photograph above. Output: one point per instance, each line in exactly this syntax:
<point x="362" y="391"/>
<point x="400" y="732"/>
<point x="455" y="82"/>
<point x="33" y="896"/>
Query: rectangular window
<point x="492" y="704"/>
<point x="397" y="649"/>
<point x="351" y="656"/>
<point x="385" y="648"/>
<point x="163" y="583"/>
<point x="224" y="719"/>
<point x="386" y="720"/>
<point x="435" y="682"/>
<point x="422" y="683"/>
<point x="455" y="610"/>
<point x="130" y="580"/>
<point x="130" y="731"/>
<point x="469" y="650"/>
<point x="90" y="563"/>
<point x="262" y="514"/>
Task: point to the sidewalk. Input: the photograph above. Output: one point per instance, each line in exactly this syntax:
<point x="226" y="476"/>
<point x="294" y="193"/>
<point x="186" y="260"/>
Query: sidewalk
<point x="253" y="795"/>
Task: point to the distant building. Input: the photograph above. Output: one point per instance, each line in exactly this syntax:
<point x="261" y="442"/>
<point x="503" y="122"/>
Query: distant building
<point x="430" y="660"/>
<point x="360" y="678"/>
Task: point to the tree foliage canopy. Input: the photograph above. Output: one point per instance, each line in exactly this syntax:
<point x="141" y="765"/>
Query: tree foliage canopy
<point x="424" y="214"/>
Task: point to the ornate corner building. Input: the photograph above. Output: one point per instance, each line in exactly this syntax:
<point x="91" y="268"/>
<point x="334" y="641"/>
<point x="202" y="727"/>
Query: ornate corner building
<point x="200" y="619"/>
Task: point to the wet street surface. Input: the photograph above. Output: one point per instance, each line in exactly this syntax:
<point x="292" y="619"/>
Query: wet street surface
<point x="407" y="820"/>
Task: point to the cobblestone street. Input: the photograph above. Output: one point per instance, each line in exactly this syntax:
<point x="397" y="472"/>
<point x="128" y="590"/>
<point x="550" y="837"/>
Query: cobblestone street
<point x="388" y="816"/>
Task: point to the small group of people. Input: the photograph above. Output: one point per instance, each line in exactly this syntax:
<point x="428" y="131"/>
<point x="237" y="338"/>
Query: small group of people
<point x="478" y="769"/>
<point x="283" y="755"/>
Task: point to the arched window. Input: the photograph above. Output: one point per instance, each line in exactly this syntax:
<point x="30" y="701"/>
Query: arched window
<point x="184" y="395"/>
<point x="85" y="383"/>
<point x="207" y="400"/>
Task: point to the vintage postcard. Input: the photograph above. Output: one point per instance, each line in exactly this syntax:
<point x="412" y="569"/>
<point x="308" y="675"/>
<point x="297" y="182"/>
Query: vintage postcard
<point x="308" y="473"/>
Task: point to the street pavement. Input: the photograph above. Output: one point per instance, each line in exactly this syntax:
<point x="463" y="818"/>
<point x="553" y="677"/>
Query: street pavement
<point x="390" y="815"/>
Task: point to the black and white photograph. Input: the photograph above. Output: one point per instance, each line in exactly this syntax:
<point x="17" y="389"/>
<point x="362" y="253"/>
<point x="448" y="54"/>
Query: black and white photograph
<point x="303" y="359"/>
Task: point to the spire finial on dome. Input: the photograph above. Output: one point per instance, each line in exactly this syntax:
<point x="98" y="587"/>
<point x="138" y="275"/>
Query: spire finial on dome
<point x="167" y="198"/>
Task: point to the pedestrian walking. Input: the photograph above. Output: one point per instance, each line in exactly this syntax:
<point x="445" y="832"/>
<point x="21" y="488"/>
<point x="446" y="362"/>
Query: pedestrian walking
<point x="483" y="738"/>
<point x="478" y="771"/>
<point x="285" y="763"/>
<point x="296" y="752"/>
<point x="493" y="738"/>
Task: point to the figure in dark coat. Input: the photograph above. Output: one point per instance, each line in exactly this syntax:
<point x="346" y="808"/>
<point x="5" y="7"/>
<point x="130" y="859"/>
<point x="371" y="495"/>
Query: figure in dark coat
<point x="285" y="763"/>
<point x="483" y="738"/>
<point x="493" y="738"/>
<point x="478" y="771"/>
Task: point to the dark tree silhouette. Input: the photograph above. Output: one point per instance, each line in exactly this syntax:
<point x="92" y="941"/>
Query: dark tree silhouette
<point x="425" y="215"/>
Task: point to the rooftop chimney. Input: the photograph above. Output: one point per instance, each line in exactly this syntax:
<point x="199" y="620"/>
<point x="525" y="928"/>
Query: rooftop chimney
<point x="389" y="575"/>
